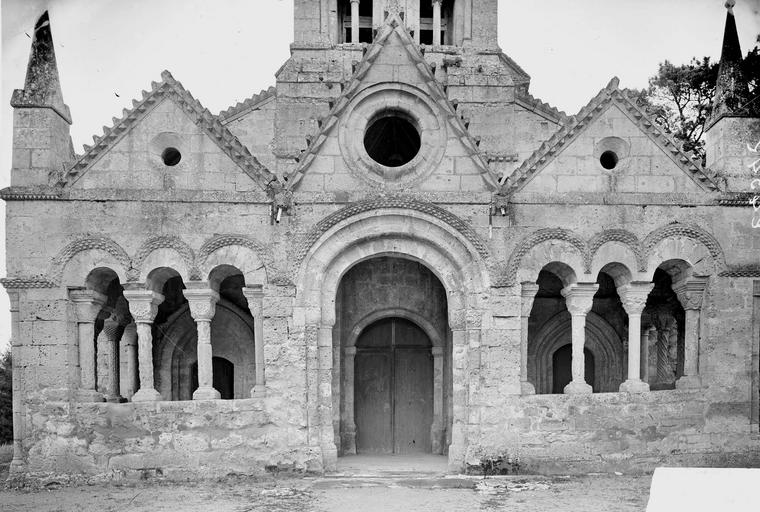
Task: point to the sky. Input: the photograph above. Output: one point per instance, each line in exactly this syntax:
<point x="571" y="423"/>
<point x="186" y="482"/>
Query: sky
<point x="224" y="51"/>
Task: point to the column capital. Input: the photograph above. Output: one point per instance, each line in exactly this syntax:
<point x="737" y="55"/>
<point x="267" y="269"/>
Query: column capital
<point x="634" y="296"/>
<point x="434" y="2"/>
<point x="143" y="304"/>
<point x="528" y="291"/>
<point x="202" y="302"/>
<point x="437" y="351"/>
<point x="349" y="351"/>
<point x="88" y="303"/>
<point x="579" y="297"/>
<point x="355" y="1"/>
<point x="690" y="291"/>
<point x="255" y="292"/>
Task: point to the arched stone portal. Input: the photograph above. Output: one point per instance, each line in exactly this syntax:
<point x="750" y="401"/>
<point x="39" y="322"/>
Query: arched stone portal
<point x="399" y="232"/>
<point x="392" y="316"/>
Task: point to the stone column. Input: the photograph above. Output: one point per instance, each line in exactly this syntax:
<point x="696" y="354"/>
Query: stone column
<point x="579" y="298"/>
<point x="349" y="430"/>
<point x="17" y="462"/>
<point x="690" y="293"/>
<point x="436" y="429"/>
<point x="324" y="372"/>
<point x="634" y="298"/>
<point x="460" y="387"/>
<point x="129" y="377"/>
<point x="112" y="329"/>
<point x="646" y="336"/>
<point x="255" y="298"/>
<point x="436" y="22"/>
<point x="143" y="306"/>
<point x="527" y="294"/>
<point x="88" y="304"/>
<point x="202" y="302"/>
<point x="354" y="21"/>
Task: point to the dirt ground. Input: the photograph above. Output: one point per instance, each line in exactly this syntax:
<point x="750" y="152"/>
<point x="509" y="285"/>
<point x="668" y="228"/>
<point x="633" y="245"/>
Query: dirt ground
<point x="596" y="493"/>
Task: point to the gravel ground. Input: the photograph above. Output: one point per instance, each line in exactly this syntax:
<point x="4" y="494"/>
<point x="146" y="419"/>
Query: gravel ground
<point x="597" y="493"/>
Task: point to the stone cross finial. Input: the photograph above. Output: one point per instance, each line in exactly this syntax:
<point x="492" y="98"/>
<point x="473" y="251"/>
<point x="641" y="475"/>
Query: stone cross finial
<point x="730" y="5"/>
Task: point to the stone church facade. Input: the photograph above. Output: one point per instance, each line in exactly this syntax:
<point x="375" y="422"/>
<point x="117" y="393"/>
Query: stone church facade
<point x="395" y="249"/>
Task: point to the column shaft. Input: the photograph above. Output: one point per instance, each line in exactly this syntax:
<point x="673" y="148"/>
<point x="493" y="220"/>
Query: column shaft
<point x="634" y="297"/>
<point x="436" y="22"/>
<point x="129" y="376"/>
<point x="143" y="306"/>
<point x="579" y="298"/>
<point x="16" y="390"/>
<point x="255" y="298"/>
<point x="691" y="293"/>
<point x="147" y="391"/>
<point x="349" y="422"/>
<point x="528" y="294"/>
<point x="354" y="21"/>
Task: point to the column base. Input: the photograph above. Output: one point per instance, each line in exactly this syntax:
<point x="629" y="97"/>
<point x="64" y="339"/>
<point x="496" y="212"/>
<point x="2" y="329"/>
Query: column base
<point x="258" y="391"/>
<point x="17" y="466"/>
<point x="577" y="388"/>
<point x="329" y="457"/>
<point x="206" y="393"/>
<point x="146" y="395"/>
<point x="89" y="395"/>
<point x="456" y="458"/>
<point x="634" y="386"/>
<point x="115" y="399"/>
<point x="348" y="441"/>
<point x="526" y="388"/>
<point x="689" y="382"/>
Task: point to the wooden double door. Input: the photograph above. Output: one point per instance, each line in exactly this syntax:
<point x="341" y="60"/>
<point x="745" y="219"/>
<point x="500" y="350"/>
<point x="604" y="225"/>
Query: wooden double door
<point x="393" y="388"/>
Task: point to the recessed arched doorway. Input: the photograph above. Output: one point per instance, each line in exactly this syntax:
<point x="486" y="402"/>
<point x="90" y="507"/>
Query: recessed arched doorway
<point x="393" y="388"/>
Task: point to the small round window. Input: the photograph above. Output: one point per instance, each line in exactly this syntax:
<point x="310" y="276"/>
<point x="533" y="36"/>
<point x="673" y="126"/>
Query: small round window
<point x="609" y="160"/>
<point x="171" y="156"/>
<point x="392" y="139"/>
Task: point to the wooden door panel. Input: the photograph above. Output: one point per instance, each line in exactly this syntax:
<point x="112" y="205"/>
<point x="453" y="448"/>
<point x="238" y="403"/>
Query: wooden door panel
<point x="413" y="394"/>
<point x="372" y="399"/>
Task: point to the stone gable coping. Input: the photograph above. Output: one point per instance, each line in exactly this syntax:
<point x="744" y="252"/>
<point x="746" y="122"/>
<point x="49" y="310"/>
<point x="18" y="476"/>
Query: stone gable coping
<point x="210" y="124"/>
<point x="530" y="102"/>
<point x="523" y="78"/>
<point x="247" y="105"/>
<point x="392" y="24"/>
<point x="575" y="125"/>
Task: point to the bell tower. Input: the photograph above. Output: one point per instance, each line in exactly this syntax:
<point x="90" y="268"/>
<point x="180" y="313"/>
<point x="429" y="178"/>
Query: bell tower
<point x="734" y="125"/>
<point x="430" y="22"/>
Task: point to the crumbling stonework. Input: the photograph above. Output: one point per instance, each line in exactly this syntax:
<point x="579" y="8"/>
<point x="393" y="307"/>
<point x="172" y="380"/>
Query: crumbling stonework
<point x="187" y="295"/>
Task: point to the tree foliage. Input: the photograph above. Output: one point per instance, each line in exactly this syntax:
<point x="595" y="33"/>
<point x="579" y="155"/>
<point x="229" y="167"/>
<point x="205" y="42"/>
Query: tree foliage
<point x="6" y="398"/>
<point x="680" y="97"/>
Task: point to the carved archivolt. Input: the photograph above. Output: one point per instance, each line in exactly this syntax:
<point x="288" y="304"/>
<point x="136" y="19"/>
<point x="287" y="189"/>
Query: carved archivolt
<point x="686" y="231"/>
<point x="164" y="242"/>
<point x="641" y="249"/>
<point x="134" y="265"/>
<point x="273" y="272"/>
<point x="83" y="243"/>
<point x="388" y="202"/>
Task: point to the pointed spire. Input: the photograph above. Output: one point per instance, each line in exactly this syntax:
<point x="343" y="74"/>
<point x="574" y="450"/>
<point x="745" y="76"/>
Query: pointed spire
<point x="42" y="87"/>
<point x="731" y="89"/>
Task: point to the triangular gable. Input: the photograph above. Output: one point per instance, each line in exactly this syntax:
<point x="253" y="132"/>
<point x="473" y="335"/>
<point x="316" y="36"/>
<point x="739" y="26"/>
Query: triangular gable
<point x="205" y="120"/>
<point x="688" y="162"/>
<point x="393" y="24"/>
<point x="247" y="105"/>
